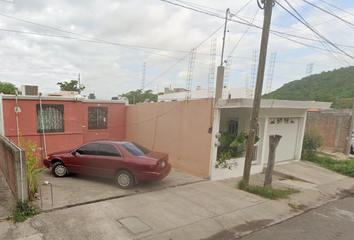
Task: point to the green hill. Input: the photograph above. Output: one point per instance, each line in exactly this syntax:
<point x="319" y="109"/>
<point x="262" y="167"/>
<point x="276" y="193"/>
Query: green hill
<point x="335" y="86"/>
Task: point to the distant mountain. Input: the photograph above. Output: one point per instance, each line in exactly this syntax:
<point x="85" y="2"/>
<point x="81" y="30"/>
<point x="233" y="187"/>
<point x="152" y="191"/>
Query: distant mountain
<point x="335" y="86"/>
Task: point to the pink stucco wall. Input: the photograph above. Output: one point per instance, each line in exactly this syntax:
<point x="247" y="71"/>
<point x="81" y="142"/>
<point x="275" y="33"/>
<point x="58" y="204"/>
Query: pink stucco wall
<point x="177" y="128"/>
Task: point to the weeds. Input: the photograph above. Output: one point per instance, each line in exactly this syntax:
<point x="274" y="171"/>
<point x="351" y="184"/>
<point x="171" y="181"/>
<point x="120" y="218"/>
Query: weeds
<point x="268" y="192"/>
<point x="22" y="211"/>
<point x="344" y="167"/>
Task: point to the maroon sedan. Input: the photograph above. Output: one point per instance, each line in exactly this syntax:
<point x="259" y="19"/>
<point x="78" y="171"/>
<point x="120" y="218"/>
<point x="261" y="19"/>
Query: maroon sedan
<point x="126" y="162"/>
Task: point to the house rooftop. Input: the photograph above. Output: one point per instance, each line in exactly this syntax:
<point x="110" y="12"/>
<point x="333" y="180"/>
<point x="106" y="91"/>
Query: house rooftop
<point x="56" y="98"/>
<point x="272" y="103"/>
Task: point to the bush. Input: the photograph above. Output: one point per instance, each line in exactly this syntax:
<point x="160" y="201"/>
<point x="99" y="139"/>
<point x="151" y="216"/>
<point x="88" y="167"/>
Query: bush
<point x="31" y="166"/>
<point x="313" y="140"/>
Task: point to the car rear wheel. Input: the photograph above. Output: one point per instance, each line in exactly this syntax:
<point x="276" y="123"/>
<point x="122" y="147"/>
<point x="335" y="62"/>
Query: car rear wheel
<point x="125" y="179"/>
<point x="59" y="170"/>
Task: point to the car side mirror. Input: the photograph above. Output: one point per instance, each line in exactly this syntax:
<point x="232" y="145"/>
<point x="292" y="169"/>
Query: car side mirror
<point x="73" y="153"/>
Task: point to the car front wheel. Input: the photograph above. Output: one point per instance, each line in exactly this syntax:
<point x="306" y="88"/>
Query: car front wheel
<point x="59" y="170"/>
<point x="125" y="179"/>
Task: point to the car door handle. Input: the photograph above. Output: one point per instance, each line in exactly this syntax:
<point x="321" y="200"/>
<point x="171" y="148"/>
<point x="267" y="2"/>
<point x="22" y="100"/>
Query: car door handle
<point x="117" y="163"/>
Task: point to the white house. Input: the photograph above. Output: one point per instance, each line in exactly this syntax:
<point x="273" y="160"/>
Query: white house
<point x="285" y="118"/>
<point x="199" y="93"/>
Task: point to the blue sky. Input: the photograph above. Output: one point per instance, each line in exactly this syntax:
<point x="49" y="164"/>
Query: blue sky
<point x="160" y="34"/>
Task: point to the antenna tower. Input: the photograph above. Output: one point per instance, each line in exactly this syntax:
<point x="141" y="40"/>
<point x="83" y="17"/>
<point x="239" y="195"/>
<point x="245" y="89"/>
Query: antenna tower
<point x="211" y="75"/>
<point x="143" y="77"/>
<point x="270" y="72"/>
<point x="246" y="76"/>
<point x="190" y="72"/>
<point x="255" y="58"/>
<point x="226" y="76"/>
<point x="309" y="69"/>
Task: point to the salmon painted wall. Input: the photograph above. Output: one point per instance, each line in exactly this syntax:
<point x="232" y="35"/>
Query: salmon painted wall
<point x="115" y="122"/>
<point x="177" y="128"/>
<point x="75" y="124"/>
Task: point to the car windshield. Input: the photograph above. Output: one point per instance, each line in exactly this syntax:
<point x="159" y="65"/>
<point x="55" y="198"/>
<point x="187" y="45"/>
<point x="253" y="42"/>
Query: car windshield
<point x="135" y="149"/>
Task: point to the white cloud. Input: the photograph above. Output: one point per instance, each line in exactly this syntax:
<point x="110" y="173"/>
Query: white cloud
<point x="109" y="70"/>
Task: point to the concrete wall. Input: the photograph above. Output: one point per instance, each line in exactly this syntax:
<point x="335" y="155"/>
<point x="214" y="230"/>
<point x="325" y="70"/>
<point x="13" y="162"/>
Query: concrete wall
<point x="76" y="130"/>
<point x="177" y="128"/>
<point x="13" y="166"/>
<point x="333" y="124"/>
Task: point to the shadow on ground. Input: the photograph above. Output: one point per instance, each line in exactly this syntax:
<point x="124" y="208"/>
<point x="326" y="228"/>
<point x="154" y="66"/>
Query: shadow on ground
<point x="77" y="189"/>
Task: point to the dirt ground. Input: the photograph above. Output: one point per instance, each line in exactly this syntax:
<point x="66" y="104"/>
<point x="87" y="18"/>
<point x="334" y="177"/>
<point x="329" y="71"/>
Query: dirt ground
<point x="338" y="155"/>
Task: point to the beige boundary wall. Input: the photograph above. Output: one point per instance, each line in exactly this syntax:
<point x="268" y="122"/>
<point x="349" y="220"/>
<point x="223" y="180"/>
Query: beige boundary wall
<point x="177" y="128"/>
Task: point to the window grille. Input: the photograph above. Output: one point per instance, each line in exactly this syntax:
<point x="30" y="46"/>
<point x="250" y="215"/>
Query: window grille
<point x="232" y="127"/>
<point x="53" y="118"/>
<point x="97" y="117"/>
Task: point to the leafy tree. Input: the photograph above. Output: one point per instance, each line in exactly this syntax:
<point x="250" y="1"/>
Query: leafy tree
<point x="73" y="85"/>
<point x="333" y="86"/>
<point x="139" y="96"/>
<point x="7" y="88"/>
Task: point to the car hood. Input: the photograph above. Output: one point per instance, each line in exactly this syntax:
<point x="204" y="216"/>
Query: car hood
<point x="61" y="152"/>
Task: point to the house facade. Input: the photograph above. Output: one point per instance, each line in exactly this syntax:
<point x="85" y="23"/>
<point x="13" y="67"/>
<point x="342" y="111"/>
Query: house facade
<point x="60" y="123"/>
<point x="281" y="117"/>
<point x="187" y="131"/>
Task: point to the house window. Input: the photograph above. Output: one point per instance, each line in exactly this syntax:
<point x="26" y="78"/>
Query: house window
<point x="97" y="117"/>
<point x="50" y="118"/>
<point x="232" y="127"/>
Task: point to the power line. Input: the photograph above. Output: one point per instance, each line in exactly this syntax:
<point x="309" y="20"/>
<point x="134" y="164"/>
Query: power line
<point x="303" y="21"/>
<point x="184" y="57"/>
<point x="328" y="12"/>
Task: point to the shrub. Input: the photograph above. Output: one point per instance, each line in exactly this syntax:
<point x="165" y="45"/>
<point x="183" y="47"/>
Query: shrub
<point x="31" y="166"/>
<point x="313" y="140"/>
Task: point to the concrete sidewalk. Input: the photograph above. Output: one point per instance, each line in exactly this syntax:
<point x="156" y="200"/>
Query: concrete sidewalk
<point x="194" y="211"/>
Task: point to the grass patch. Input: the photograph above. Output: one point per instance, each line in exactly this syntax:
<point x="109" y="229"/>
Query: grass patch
<point x="344" y="167"/>
<point x="22" y="211"/>
<point x="268" y="192"/>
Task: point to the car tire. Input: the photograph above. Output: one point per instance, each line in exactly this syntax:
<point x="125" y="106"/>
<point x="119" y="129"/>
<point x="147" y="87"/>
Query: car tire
<point x="351" y="150"/>
<point x="59" y="169"/>
<point x="125" y="179"/>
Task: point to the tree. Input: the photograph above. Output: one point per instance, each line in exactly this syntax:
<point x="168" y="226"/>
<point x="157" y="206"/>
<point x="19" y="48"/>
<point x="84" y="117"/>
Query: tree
<point x="71" y="86"/>
<point x="140" y="96"/>
<point x="7" y="88"/>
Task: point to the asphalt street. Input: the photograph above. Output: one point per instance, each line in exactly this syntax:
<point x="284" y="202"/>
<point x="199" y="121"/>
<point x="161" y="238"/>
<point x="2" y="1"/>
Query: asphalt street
<point x="334" y="220"/>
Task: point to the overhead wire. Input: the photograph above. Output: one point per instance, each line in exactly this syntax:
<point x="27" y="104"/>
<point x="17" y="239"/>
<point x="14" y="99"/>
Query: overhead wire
<point x="324" y="10"/>
<point x="304" y="22"/>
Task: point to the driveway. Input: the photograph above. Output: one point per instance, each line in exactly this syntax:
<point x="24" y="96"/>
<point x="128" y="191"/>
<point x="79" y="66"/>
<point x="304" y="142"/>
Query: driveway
<point x="77" y="189"/>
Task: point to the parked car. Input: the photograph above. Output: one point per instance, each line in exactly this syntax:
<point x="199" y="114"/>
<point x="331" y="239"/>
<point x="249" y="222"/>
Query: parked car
<point x="126" y="162"/>
<point x="352" y="145"/>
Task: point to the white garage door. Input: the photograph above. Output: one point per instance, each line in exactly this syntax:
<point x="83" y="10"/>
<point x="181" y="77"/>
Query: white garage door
<point x="288" y="129"/>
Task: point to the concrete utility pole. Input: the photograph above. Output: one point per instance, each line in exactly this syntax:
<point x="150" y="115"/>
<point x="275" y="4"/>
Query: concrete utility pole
<point x="221" y="69"/>
<point x="257" y="96"/>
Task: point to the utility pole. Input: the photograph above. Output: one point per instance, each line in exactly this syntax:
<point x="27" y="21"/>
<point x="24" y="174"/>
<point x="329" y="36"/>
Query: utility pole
<point x="223" y="39"/>
<point x="79" y="83"/>
<point x="268" y="6"/>
<point x="220" y="72"/>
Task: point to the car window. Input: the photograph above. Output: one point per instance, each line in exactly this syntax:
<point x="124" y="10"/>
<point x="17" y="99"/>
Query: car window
<point x="88" y="149"/>
<point x="135" y="149"/>
<point x="108" y="150"/>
